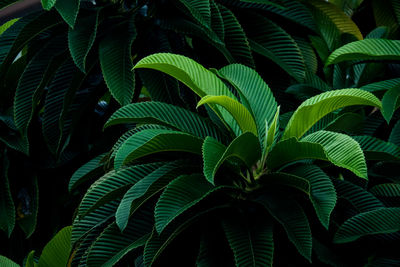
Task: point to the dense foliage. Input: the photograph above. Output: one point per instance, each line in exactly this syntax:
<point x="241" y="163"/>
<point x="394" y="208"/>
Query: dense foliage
<point x="216" y="132"/>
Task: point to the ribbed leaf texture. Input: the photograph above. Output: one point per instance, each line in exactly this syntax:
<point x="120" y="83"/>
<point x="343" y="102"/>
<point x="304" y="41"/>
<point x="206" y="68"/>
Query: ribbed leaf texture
<point x="321" y="145"/>
<point x="293" y="219"/>
<point x="56" y="252"/>
<point x="7" y="208"/>
<point x="376" y="149"/>
<point x="368" y="49"/>
<point x="6" y="262"/>
<point x="48" y="4"/>
<point x="112" y="185"/>
<point x="68" y="10"/>
<point x="380" y="221"/>
<point x="389" y="102"/>
<point x="255" y="94"/>
<point x="147" y="187"/>
<point x="179" y="196"/>
<point x="360" y="198"/>
<point x="381" y="85"/>
<point x="395" y="134"/>
<point x="322" y="192"/>
<point x="112" y="244"/>
<point x="153" y="141"/>
<point x="195" y="76"/>
<point x="386" y="190"/>
<point x="165" y="114"/>
<point x="200" y="10"/>
<point x="273" y="42"/>
<point x="313" y="109"/>
<point x="245" y="148"/>
<point x="86" y="171"/>
<point x="81" y="39"/>
<point x="250" y="240"/>
<point x="116" y="63"/>
<point x="235" y="38"/>
<point x="217" y="23"/>
<point x="241" y="115"/>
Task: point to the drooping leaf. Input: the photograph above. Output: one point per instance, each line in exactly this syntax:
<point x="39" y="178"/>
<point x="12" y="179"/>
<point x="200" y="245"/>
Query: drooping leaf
<point x="7" y="208"/>
<point x="250" y="240"/>
<point x="321" y="145"/>
<point x="68" y="10"/>
<point x="152" y="141"/>
<point x="322" y="191"/>
<point x="241" y="115"/>
<point x="165" y="114"/>
<point x="380" y="221"/>
<point x="245" y="147"/>
<point x="313" y="109"/>
<point x="376" y="149"/>
<point x="368" y="49"/>
<point x="116" y="63"/>
<point x="293" y="219"/>
<point x="255" y="91"/>
<point x="56" y="252"/>
<point x="81" y="39"/>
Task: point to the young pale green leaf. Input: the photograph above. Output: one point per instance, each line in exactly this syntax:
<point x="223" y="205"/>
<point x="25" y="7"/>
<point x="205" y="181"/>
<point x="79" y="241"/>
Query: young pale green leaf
<point x="293" y="219"/>
<point x="6" y="262"/>
<point x="272" y="130"/>
<point x="368" y="49"/>
<point x="165" y="114"/>
<point x="313" y="109"/>
<point x="241" y="115"/>
<point x="48" y="4"/>
<point x="180" y="195"/>
<point x="116" y="63"/>
<point x="255" y="94"/>
<point x="250" y="240"/>
<point x="244" y="147"/>
<point x="56" y="252"/>
<point x="7" y="25"/>
<point x="153" y="141"/>
<point x="339" y="149"/>
<point x="81" y="39"/>
<point x="68" y="10"/>
<point x="380" y="221"/>
<point x="390" y="103"/>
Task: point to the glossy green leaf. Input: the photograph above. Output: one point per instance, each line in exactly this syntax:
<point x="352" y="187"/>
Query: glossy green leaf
<point x="81" y="39"/>
<point x="313" y="109"/>
<point x="116" y="63"/>
<point x="68" y="10"/>
<point x="56" y="252"/>
<point x="368" y="49"/>
<point x="153" y="141"/>
<point x="241" y="115"/>
<point x="380" y="221"/>
<point x="244" y="147"/>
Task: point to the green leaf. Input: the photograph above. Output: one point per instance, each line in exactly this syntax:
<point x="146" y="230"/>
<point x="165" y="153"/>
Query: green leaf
<point x="395" y="134"/>
<point x="271" y="41"/>
<point x="255" y="91"/>
<point x="153" y="141"/>
<point x="244" y="147"/>
<point x="285" y="179"/>
<point x="30" y="260"/>
<point x="386" y="190"/>
<point x="200" y="10"/>
<point x="91" y="169"/>
<point x="241" y="115"/>
<point x="368" y="49"/>
<point x="68" y="10"/>
<point x="6" y="262"/>
<point x="339" y="149"/>
<point x="180" y="195"/>
<point x="165" y="114"/>
<point x="200" y="80"/>
<point x="250" y="240"/>
<point x="7" y="25"/>
<point x="112" y="185"/>
<point x="148" y="186"/>
<point x="7" y="208"/>
<point x="270" y="138"/>
<point x="322" y="192"/>
<point x="56" y="252"/>
<point x="293" y="219"/>
<point x="376" y="149"/>
<point x="313" y="109"/>
<point x="81" y="39"/>
<point x="390" y="103"/>
<point x="380" y="221"/>
<point x="48" y="4"/>
<point x="116" y="63"/>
